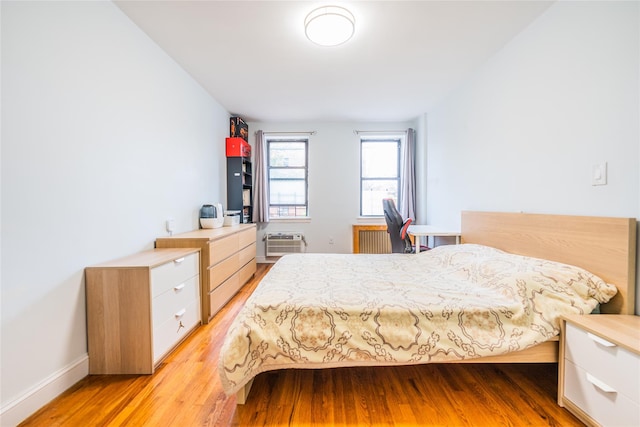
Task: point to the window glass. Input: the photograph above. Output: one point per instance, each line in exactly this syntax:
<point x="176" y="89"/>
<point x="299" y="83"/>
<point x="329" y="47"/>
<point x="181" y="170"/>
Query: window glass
<point x="379" y="173"/>
<point x="288" y="184"/>
<point x="380" y="159"/>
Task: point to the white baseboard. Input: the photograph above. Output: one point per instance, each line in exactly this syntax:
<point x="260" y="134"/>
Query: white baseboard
<point x="266" y="260"/>
<point x="16" y="411"/>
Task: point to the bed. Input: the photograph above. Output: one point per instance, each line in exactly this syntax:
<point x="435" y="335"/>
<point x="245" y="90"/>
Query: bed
<point x="495" y="298"/>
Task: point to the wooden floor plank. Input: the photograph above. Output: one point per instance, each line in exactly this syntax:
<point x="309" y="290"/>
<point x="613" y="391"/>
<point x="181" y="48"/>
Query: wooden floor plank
<point x="186" y="391"/>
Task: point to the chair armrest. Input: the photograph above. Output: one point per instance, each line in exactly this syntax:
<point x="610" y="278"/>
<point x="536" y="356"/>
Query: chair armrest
<point x="405" y="226"/>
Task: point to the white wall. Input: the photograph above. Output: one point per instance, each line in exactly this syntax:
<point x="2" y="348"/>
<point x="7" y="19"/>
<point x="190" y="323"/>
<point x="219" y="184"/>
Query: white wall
<point x="104" y="137"/>
<point x="524" y="132"/>
<point x="334" y="182"/>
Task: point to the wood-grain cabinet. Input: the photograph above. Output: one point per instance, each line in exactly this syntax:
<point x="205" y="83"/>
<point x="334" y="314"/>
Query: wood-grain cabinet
<point x="228" y="261"/>
<point x="599" y="369"/>
<point x="139" y="308"/>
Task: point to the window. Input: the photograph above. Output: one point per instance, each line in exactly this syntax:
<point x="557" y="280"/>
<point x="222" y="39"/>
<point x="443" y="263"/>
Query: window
<point x="379" y="173"/>
<point x="287" y="176"/>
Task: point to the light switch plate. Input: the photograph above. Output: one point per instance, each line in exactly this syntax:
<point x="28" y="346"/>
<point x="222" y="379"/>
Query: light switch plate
<point x="599" y="174"/>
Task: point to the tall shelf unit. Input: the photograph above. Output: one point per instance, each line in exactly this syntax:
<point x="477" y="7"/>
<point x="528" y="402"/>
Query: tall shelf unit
<point x="240" y="184"/>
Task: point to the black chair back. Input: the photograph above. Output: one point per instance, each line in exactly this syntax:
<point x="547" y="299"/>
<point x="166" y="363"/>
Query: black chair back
<point x="397" y="228"/>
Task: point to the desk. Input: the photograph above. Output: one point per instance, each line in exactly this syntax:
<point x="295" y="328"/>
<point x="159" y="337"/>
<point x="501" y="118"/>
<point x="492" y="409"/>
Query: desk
<point x="430" y="230"/>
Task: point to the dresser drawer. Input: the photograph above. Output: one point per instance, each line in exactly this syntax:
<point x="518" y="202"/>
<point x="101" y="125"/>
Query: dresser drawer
<point x="248" y="270"/>
<point x="170" y="302"/>
<point x="172" y="273"/>
<point x="604" y="360"/>
<point x="247" y="237"/>
<point x="173" y="329"/>
<point x="223" y="270"/>
<point x="595" y="397"/>
<point x="247" y="254"/>
<point x="222" y="248"/>
<point x="223" y="293"/>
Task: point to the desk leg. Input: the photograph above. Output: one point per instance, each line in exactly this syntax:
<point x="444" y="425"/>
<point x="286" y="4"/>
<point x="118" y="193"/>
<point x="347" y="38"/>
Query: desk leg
<point x="417" y="240"/>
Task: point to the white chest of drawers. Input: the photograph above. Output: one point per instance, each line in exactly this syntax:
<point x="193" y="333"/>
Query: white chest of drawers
<point x="599" y="369"/>
<point x="139" y="308"/>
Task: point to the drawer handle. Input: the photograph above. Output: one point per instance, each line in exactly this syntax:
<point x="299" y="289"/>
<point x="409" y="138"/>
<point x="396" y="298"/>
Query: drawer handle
<point x="179" y="260"/>
<point x="600" y="341"/>
<point x="179" y="287"/>
<point x="181" y="313"/>
<point x="602" y="386"/>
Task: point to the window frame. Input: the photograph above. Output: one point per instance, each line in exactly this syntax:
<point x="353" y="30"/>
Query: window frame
<point x="380" y="139"/>
<point x="294" y="139"/>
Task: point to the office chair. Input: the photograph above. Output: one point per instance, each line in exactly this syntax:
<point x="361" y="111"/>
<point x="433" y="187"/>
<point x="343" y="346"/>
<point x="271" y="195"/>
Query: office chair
<point x="397" y="228"/>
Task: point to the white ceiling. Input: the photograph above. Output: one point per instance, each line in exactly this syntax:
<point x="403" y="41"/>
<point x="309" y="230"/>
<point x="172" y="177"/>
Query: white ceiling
<point x="253" y="57"/>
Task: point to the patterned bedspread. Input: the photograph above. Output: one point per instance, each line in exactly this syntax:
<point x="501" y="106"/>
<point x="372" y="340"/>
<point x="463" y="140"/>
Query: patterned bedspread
<point x="450" y="303"/>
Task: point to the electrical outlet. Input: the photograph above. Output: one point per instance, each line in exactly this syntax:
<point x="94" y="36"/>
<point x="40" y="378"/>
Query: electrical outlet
<point x="170" y="225"/>
<point x="331" y="240"/>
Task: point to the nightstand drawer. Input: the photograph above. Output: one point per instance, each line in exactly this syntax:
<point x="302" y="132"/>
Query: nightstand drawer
<point x="605" y="360"/>
<point x="172" y="273"/>
<point x="174" y="329"/>
<point x="599" y="399"/>
<point x="170" y="302"/>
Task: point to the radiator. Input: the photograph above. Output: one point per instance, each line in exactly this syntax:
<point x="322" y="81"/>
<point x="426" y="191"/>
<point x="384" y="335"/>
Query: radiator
<point x="374" y="242"/>
<point x="278" y="244"/>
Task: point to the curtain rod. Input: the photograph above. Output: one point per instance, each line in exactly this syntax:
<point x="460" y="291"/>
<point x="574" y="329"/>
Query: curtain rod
<point x="378" y="132"/>
<point x="309" y="132"/>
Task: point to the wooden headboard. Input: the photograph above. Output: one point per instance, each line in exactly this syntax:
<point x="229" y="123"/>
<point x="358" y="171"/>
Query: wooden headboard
<point x="604" y="246"/>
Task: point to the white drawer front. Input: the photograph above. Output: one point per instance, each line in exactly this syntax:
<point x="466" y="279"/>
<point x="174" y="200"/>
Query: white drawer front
<point x="605" y="360"/>
<point x="171" y="301"/>
<point x="166" y="276"/>
<point x="595" y="397"/>
<point x="172" y="330"/>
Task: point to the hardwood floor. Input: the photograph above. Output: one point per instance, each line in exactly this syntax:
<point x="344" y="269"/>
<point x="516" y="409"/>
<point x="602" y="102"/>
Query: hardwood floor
<point x="186" y="391"/>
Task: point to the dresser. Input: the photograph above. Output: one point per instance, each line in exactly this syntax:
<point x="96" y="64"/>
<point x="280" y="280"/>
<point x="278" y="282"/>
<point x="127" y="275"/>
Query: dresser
<point x="599" y="369"/>
<point x="228" y="261"/>
<point x="139" y="308"/>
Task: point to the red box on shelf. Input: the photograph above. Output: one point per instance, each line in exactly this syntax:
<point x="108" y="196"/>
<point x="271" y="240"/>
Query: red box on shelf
<point x="238" y="147"/>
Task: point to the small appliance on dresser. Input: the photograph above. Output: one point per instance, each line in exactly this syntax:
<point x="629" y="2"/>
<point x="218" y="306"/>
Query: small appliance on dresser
<point x="211" y="216"/>
<point x="232" y="218"/>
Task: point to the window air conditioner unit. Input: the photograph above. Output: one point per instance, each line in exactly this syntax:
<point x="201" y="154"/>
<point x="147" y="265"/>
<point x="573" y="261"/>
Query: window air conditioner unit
<point x="278" y="244"/>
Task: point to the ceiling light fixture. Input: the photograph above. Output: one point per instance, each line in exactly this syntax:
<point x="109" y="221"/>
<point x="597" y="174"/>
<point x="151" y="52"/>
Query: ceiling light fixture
<point x="329" y="25"/>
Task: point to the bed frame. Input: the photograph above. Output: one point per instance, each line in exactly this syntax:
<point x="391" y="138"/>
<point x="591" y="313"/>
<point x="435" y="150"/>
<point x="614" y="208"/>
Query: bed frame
<point x="604" y="246"/>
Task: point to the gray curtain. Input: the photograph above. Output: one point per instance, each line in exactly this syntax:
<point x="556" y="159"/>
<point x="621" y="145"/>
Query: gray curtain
<point x="260" y="188"/>
<point x="407" y="196"/>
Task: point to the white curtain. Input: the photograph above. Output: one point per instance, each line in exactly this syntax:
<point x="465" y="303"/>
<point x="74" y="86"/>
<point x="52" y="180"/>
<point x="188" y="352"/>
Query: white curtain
<point x="407" y="196"/>
<point x="260" y="196"/>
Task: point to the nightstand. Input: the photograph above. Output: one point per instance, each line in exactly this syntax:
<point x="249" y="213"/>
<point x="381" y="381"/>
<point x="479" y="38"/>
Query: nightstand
<point x="599" y="368"/>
